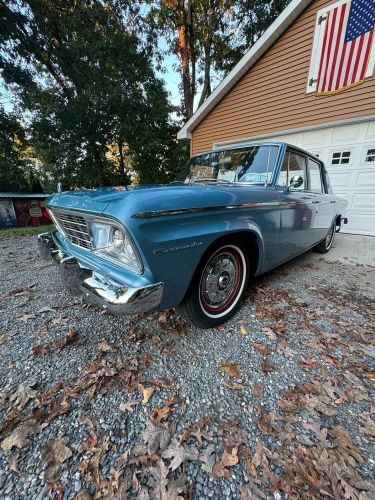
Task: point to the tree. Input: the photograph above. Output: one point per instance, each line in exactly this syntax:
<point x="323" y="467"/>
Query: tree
<point x="13" y="175"/>
<point x="209" y="37"/>
<point x="88" y="86"/>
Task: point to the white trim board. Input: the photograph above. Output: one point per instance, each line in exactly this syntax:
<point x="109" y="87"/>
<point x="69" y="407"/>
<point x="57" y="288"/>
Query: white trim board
<point x="277" y="28"/>
<point x="319" y="126"/>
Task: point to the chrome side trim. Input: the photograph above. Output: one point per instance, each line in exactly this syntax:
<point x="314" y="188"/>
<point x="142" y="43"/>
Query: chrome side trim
<point x="161" y="213"/>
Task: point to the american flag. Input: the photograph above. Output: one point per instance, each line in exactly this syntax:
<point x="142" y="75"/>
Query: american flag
<point x="347" y="41"/>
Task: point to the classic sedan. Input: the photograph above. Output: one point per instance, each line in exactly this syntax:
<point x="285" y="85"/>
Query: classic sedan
<point x="194" y="244"/>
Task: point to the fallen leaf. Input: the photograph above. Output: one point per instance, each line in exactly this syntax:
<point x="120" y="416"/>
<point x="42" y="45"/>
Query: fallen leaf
<point x="90" y="442"/>
<point x="368" y="425"/>
<point x="20" y="437"/>
<point x="231" y="369"/>
<point x="158" y="415"/>
<point x="21" y="396"/>
<point x="163" y="488"/>
<point x="269" y="332"/>
<point x="197" y="431"/>
<point x="55" y="453"/>
<point x="258" y="390"/>
<point x="4" y="337"/>
<point x="234" y="387"/>
<point x="250" y="491"/>
<point x="156" y="438"/>
<point x="147" y="393"/>
<point x="179" y="454"/>
<point x="243" y="330"/>
<point x="228" y="459"/>
<point x="128" y="406"/>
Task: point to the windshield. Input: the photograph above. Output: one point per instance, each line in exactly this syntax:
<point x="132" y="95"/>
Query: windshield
<point x="251" y="164"/>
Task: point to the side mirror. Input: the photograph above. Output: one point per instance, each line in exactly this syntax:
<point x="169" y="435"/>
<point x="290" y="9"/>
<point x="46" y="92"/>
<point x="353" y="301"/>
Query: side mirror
<point x="296" y="181"/>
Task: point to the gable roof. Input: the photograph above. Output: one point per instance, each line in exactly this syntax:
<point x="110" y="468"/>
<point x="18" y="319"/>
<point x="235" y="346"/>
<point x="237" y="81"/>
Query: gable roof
<point x="277" y="28"/>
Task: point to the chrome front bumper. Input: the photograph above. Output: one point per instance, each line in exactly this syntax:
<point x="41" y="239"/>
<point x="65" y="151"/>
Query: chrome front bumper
<point x="98" y="289"/>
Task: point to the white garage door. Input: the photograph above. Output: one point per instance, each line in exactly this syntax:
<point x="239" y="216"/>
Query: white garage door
<point x="349" y="154"/>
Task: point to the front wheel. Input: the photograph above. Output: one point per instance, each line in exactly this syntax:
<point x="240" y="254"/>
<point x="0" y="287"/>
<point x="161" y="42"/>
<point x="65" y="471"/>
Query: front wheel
<point x="218" y="286"/>
<point x="325" y="245"/>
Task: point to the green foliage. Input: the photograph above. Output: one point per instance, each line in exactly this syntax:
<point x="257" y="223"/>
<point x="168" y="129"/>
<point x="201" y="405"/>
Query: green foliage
<point x="12" y="165"/>
<point x="90" y="90"/>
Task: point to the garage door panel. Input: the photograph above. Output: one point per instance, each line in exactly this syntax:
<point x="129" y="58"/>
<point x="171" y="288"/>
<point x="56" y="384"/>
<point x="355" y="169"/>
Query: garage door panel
<point x="339" y="179"/>
<point x="345" y="134"/>
<point x="366" y="179"/>
<point x="364" y="200"/>
<point x="360" y="223"/>
<point x="370" y="134"/>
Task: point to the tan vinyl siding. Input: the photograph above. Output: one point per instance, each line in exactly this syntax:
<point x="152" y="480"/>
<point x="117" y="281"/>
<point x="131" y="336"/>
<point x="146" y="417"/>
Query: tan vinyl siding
<point x="272" y="96"/>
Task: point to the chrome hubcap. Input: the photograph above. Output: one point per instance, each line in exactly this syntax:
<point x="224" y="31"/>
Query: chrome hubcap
<point x="219" y="280"/>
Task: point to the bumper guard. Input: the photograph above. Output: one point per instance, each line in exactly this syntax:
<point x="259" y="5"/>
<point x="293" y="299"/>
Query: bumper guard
<point x="98" y="289"/>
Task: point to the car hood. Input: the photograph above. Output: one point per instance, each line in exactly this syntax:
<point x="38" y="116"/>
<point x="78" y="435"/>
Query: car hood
<point x="147" y="198"/>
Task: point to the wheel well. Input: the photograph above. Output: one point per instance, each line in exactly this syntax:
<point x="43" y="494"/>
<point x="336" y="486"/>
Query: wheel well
<point x="338" y="223"/>
<point x="249" y="241"/>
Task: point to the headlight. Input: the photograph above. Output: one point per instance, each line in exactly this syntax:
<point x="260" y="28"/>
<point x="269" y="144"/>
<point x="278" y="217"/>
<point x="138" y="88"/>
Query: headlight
<point x="111" y="241"/>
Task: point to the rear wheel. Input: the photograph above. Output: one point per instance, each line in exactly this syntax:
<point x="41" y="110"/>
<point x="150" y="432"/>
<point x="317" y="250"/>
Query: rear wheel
<point x="325" y="245"/>
<point x="218" y="286"/>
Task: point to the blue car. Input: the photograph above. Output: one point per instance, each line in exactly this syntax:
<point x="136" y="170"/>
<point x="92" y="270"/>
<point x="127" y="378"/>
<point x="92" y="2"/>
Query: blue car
<point x="194" y="244"/>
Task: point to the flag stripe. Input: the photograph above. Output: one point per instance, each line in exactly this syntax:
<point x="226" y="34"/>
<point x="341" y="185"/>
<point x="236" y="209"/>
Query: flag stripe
<point x="329" y="47"/>
<point x="346" y="47"/>
<point x="339" y="45"/>
<point x="367" y="55"/>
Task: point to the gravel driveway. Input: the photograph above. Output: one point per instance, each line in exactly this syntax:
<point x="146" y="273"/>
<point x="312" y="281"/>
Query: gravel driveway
<point x="277" y="403"/>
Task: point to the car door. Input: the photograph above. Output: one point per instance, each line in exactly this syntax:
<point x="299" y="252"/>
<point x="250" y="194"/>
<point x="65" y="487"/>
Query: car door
<point x="299" y="214"/>
<point x="326" y="200"/>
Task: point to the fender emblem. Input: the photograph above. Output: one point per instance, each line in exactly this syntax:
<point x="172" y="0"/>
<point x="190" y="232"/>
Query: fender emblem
<point x="161" y="251"/>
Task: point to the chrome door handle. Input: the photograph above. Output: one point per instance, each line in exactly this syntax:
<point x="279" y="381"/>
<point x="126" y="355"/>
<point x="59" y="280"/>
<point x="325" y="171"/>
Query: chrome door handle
<point x="315" y="201"/>
<point x="333" y="201"/>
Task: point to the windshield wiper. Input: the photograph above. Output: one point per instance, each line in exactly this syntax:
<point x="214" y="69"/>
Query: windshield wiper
<point x="223" y="181"/>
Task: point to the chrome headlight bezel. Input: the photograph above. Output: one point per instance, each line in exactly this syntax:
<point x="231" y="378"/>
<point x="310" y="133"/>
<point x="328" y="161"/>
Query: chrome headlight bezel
<point x="128" y="256"/>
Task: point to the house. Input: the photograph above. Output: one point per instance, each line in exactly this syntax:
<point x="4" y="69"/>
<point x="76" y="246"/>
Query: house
<point x="309" y="80"/>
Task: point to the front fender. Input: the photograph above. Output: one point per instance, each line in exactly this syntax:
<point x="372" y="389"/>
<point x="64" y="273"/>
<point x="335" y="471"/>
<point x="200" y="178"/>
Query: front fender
<point x="173" y="246"/>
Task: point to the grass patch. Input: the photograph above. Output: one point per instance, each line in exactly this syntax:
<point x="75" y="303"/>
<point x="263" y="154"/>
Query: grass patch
<point x="17" y="232"/>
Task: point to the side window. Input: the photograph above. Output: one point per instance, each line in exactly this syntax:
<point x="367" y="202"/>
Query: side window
<point x="294" y="164"/>
<point x="316" y="183"/>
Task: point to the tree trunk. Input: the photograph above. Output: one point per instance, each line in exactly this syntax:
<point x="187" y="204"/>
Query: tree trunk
<point x="122" y="163"/>
<point x="185" y="52"/>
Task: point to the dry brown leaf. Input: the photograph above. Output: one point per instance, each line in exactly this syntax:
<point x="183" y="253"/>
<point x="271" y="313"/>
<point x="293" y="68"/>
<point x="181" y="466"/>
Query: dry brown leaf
<point x="197" y="431"/>
<point x="20" y="437"/>
<point x="158" y="415"/>
<point x="233" y="387"/>
<point x="269" y="332"/>
<point x="231" y="369"/>
<point x="179" y="454"/>
<point x="55" y="453"/>
<point x="90" y="442"/>
<point x="163" y="488"/>
<point x="243" y="330"/>
<point x="368" y="425"/>
<point x="147" y="393"/>
<point x="156" y="438"/>
<point x="258" y="390"/>
<point x="228" y="459"/>
<point x="250" y="491"/>
<point x="4" y="337"/>
<point x="128" y="406"/>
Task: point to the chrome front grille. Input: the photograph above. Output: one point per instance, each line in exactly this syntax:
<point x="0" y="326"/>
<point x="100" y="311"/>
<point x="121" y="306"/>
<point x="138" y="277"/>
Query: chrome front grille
<point x="74" y="226"/>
